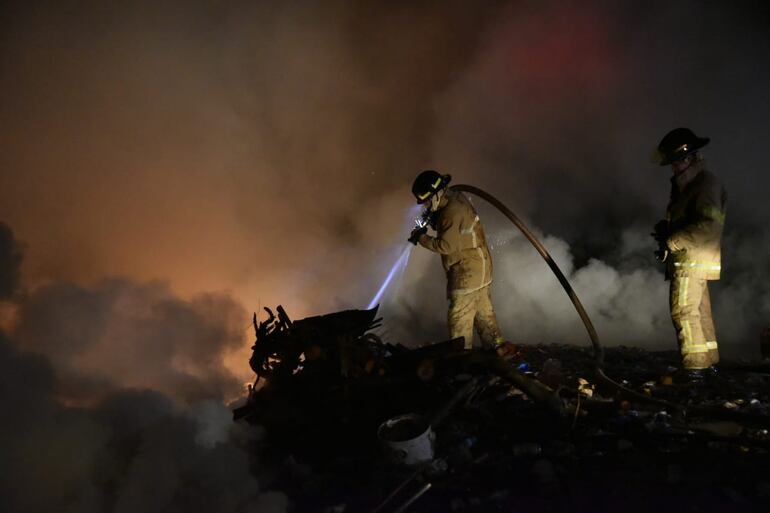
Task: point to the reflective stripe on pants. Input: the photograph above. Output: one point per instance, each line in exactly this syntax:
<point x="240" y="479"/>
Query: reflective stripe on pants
<point x="691" y="313"/>
<point x="474" y="310"/>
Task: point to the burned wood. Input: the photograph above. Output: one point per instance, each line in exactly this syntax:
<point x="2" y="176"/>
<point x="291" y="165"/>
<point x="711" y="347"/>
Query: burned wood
<point x="484" y="362"/>
<point x="536" y="390"/>
<point x="284" y="318"/>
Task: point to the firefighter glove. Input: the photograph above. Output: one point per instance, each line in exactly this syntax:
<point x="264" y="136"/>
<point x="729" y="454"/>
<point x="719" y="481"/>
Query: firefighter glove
<point x="661" y="235"/>
<point x="506" y="350"/>
<point x="414" y="238"/>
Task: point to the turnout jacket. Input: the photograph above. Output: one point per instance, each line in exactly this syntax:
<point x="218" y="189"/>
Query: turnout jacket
<point x="461" y="242"/>
<point x="696" y="215"/>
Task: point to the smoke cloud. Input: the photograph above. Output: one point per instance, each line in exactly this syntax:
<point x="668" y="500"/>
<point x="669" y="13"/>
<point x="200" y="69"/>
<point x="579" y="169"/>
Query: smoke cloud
<point x="266" y="150"/>
<point x="124" y="334"/>
<point x="114" y="399"/>
<point x="133" y="450"/>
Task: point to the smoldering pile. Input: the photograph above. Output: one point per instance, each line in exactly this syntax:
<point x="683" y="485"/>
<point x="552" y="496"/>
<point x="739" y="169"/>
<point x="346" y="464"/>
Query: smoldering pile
<point x="482" y="434"/>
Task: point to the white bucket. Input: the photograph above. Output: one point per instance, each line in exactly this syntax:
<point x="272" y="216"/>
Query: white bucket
<point x="407" y="439"/>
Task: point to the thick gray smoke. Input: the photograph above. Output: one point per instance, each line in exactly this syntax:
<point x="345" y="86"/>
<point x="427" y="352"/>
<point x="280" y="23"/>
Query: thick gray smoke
<point x="133" y="451"/>
<point x="123" y="334"/>
<point x="531" y="304"/>
<point x="114" y="401"/>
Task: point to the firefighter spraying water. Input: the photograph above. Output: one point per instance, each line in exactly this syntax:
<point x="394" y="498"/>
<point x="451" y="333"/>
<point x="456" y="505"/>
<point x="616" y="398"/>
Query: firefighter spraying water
<point x="431" y="188"/>
<point x="461" y="242"/>
<point x="463" y="228"/>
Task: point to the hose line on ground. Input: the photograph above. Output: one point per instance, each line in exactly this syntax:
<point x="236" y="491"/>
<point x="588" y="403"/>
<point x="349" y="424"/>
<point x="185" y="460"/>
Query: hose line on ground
<point x="597" y="347"/>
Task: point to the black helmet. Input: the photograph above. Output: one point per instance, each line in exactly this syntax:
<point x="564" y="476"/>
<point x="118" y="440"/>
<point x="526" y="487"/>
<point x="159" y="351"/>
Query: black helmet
<point x="428" y="183"/>
<point x="677" y="144"/>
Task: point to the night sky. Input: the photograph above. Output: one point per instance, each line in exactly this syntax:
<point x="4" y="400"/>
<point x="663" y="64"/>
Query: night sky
<point x="165" y="170"/>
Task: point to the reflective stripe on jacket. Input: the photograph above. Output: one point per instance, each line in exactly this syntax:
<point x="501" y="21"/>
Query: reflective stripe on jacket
<point x="461" y="242"/>
<point x="696" y="217"/>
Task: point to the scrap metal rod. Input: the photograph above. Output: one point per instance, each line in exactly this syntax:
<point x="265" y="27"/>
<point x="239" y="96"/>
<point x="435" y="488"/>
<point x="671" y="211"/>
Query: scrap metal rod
<point x="397" y="489"/>
<point x="413" y="498"/>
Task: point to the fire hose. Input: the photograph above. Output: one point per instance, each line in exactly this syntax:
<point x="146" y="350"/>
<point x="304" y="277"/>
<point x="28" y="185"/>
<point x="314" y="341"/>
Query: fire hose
<point x="597" y="347"/>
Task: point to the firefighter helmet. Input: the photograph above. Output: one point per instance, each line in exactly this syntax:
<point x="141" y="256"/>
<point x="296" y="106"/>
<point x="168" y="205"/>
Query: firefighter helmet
<point x="677" y="144"/>
<point x="429" y="183"/>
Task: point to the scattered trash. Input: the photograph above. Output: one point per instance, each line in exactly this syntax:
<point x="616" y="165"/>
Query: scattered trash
<point x="551" y="373"/>
<point x="660" y="423"/>
<point x="407" y="439"/>
<point x="585" y="388"/>
<point x="724" y="428"/>
<point x="483" y="430"/>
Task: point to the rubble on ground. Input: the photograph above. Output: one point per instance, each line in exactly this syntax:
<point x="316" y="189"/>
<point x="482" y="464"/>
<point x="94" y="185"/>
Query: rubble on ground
<point x="543" y="431"/>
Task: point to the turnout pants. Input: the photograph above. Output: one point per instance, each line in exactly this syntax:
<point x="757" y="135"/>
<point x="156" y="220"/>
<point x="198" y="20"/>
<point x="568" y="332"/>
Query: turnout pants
<point x="474" y="310"/>
<point x="691" y="313"/>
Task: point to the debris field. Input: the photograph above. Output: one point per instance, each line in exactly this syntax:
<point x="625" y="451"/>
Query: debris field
<point x="544" y="431"/>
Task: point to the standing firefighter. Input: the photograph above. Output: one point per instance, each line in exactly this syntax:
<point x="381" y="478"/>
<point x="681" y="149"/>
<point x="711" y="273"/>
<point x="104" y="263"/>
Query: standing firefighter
<point x="689" y="242"/>
<point x="465" y="256"/>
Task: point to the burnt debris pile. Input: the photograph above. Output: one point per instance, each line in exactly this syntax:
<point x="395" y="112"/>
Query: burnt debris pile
<point x="354" y="423"/>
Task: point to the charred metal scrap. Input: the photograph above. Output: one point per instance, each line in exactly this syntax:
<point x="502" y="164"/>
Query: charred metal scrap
<point x="284" y="347"/>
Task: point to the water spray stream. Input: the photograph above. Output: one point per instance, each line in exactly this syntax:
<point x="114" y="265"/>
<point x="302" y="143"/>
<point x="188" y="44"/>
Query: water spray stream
<point x="401" y="263"/>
